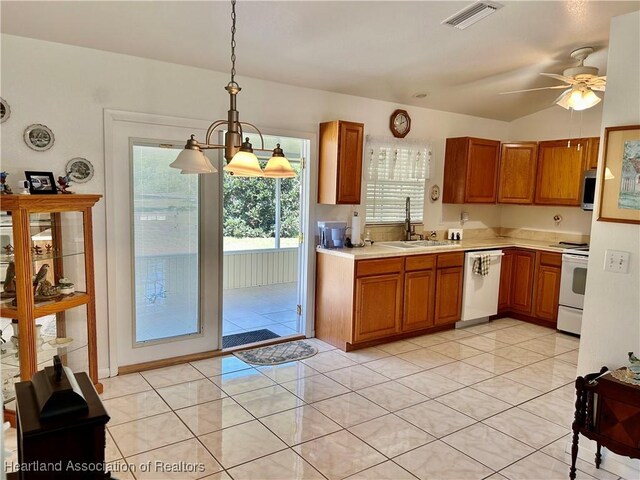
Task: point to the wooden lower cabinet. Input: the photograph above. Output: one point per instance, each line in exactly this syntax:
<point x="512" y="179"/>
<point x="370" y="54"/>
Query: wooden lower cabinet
<point x="449" y="277"/>
<point x="547" y="290"/>
<point x="364" y="301"/>
<point x="506" y="276"/>
<point x="530" y="285"/>
<point x="378" y="306"/>
<point x="524" y="263"/>
<point x="419" y="292"/>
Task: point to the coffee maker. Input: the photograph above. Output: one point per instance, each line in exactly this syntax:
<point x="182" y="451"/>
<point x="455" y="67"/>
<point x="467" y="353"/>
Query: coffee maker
<point x="331" y="234"/>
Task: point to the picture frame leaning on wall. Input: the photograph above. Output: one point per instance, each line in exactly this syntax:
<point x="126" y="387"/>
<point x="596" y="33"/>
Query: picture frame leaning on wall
<point x="620" y="175"/>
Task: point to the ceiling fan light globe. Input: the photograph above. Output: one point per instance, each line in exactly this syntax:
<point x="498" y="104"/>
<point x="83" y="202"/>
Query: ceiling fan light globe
<point x="583" y="99"/>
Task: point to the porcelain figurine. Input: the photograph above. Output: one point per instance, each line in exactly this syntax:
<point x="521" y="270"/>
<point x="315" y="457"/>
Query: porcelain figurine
<point x="4" y="188"/>
<point x="64" y="183"/>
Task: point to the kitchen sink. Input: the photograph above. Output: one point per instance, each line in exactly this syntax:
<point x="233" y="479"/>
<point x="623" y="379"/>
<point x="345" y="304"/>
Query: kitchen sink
<point x="408" y="245"/>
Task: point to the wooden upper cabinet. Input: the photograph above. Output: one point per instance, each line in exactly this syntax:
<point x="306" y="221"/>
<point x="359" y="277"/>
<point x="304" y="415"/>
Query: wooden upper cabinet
<point x="517" y="174"/>
<point x="561" y="164"/>
<point x="340" y="162"/>
<point x="593" y="146"/>
<point x="470" y="170"/>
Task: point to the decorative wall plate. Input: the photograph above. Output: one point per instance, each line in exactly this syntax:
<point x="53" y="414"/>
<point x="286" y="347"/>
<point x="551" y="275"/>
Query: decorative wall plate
<point x="39" y="137"/>
<point x="79" y="170"/>
<point x="435" y="193"/>
<point x="5" y="110"/>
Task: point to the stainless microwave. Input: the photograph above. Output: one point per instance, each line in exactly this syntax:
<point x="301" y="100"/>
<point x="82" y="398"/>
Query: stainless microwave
<point x="588" y="189"/>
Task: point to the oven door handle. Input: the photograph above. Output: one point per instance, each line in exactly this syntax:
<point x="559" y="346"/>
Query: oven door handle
<point x="582" y="258"/>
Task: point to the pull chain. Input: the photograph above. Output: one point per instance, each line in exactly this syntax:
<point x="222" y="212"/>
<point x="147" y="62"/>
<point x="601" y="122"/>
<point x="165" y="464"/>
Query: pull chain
<point x="233" y="42"/>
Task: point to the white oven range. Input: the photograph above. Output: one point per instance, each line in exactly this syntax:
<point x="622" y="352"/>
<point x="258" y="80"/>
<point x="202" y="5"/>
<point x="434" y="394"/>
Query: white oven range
<point x="573" y="280"/>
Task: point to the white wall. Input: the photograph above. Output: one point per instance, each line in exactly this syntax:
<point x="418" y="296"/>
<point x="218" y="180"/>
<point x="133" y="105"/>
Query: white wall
<point x="68" y="87"/>
<point x="611" y="320"/>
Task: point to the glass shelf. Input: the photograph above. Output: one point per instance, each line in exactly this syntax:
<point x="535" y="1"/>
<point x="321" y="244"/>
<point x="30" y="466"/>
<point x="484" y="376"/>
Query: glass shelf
<point x="6" y="259"/>
<point x="56" y="304"/>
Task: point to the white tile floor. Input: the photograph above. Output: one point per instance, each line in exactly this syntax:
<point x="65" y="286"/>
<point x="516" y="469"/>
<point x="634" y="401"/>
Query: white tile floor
<point x="492" y="401"/>
<point x="271" y="307"/>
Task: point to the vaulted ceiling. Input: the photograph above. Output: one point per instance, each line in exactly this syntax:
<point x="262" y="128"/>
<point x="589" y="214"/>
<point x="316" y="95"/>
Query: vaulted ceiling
<point x="385" y="50"/>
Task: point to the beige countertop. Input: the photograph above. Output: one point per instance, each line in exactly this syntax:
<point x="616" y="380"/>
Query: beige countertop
<point x="377" y="251"/>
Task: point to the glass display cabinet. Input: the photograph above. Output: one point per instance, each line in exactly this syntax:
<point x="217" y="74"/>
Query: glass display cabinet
<point x="48" y="294"/>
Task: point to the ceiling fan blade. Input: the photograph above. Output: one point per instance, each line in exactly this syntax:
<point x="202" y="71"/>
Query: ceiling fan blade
<point x="597" y="88"/>
<point x="562" y="78"/>
<point x="534" y="89"/>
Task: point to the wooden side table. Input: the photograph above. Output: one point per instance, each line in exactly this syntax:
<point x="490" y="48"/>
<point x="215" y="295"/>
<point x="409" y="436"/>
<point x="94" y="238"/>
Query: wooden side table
<point x="608" y="412"/>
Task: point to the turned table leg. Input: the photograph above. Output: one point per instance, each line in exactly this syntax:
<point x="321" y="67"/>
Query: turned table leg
<point x="574" y="454"/>
<point x="598" y="455"/>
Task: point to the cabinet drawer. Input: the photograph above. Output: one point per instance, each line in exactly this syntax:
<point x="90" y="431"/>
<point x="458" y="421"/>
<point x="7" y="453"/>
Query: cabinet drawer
<point x="446" y="260"/>
<point x="420" y="262"/>
<point x="376" y="267"/>
<point x="551" y="259"/>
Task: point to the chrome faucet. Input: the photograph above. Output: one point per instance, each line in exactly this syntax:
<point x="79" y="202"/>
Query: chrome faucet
<point x="407" y="220"/>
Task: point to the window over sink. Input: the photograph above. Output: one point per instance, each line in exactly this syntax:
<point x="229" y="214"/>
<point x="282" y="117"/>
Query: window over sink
<point x="396" y="169"/>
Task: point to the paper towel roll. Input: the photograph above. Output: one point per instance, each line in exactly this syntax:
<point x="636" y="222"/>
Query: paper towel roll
<point x="356" y="229"/>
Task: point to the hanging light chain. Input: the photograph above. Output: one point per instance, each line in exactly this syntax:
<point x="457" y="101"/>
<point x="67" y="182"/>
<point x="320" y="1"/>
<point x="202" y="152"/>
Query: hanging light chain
<point x="233" y="41"/>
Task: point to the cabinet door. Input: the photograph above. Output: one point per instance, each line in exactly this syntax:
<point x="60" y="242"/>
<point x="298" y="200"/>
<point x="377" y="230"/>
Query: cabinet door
<point x="517" y="177"/>
<point x="340" y="162"/>
<point x="506" y="274"/>
<point x="560" y="169"/>
<point x="547" y="293"/>
<point x="349" y="163"/>
<point x="592" y="153"/>
<point x="419" y="297"/>
<point x="378" y="306"/>
<point x="482" y="171"/>
<point x="522" y="283"/>
<point x="448" y="295"/>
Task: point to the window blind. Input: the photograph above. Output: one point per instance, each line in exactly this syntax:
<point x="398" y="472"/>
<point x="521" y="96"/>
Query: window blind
<point x="397" y="169"/>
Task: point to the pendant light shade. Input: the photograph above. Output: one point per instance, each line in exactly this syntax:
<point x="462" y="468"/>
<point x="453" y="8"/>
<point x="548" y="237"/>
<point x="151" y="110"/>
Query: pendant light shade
<point x="245" y="163"/>
<point x="192" y="160"/>
<point x="278" y="166"/>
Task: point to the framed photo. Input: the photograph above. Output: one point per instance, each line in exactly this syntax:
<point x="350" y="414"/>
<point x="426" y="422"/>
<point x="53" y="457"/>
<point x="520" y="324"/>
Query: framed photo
<point x="41" y="183"/>
<point x="620" y="176"/>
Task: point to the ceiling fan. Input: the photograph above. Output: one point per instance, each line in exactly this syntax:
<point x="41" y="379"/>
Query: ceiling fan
<point x="581" y="81"/>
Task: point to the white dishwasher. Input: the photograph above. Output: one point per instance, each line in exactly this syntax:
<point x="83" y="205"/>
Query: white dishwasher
<point x="480" y="292"/>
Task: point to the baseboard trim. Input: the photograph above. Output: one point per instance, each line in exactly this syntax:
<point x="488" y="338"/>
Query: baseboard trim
<point x="169" y="362"/>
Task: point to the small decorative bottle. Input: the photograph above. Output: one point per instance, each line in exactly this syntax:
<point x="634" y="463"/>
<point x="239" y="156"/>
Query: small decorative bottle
<point x="367" y="238"/>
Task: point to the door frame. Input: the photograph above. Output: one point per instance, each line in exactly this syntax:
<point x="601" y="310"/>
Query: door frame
<point x="117" y="245"/>
<point x="308" y="208"/>
<point x="306" y="255"/>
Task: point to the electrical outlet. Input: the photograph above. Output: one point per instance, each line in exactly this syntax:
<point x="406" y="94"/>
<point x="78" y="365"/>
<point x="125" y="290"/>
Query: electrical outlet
<point x="454" y="234"/>
<point x="616" y="261"/>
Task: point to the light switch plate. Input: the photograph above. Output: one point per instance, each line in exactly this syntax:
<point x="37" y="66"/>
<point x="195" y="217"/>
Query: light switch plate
<point x="455" y="232"/>
<point x="616" y="261"/>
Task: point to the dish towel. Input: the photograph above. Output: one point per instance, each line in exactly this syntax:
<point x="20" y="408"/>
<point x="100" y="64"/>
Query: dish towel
<point x="481" y="265"/>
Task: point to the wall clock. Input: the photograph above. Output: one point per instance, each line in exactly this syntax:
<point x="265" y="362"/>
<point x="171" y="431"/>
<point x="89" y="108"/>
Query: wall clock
<point x="400" y="123"/>
<point x="38" y="137"/>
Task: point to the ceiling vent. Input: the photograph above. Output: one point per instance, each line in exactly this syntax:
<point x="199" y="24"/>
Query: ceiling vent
<point x="472" y="14"/>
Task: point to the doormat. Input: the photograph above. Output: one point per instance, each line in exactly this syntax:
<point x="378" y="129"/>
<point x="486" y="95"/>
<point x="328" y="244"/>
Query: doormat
<point x="281" y="353"/>
<point x="247" y="337"/>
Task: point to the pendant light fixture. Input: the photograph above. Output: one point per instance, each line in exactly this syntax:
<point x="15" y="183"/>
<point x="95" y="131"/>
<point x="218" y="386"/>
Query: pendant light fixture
<point x="241" y="161"/>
